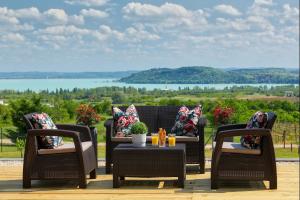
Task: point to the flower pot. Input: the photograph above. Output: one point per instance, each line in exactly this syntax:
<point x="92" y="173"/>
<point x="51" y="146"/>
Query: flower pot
<point x="139" y="140"/>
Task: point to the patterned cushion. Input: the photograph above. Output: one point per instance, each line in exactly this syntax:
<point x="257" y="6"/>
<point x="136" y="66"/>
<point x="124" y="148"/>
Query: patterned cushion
<point x="124" y="120"/>
<point x="186" y="121"/>
<point x="258" y="120"/>
<point x="43" y="121"/>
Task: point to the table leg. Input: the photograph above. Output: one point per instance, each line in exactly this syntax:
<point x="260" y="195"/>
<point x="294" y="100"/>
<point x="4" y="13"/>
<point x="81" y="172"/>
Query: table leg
<point x="116" y="181"/>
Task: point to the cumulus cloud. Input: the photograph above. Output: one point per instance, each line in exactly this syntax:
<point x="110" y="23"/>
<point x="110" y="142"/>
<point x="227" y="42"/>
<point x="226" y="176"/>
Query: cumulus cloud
<point x="167" y="15"/>
<point x="56" y="16"/>
<point x="227" y="9"/>
<point x="13" y="37"/>
<point x="263" y="2"/>
<point x="93" y="13"/>
<point x="290" y="14"/>
<point x="32" y="12"/>
<point x="87" y="2"/>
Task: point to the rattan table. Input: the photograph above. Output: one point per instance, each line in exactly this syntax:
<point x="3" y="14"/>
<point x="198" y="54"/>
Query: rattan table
<point x="130" y="161"/>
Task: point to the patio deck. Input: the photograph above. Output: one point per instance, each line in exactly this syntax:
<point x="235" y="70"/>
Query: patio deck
<point x="197" y="186"/>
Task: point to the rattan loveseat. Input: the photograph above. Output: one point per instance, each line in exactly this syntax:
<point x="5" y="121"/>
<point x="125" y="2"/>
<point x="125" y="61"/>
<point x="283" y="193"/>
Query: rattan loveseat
<point x="156" y="117"/>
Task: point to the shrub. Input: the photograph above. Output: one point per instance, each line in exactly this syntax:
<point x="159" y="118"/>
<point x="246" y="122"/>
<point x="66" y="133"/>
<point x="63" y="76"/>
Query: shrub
<point x="86" y="115"/>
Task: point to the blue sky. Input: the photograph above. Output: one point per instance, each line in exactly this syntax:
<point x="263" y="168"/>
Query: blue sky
<point x="107" y="35"/>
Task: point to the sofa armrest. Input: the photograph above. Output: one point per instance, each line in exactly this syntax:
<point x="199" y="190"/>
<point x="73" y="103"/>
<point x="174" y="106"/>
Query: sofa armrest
<point x="108" y="124"/>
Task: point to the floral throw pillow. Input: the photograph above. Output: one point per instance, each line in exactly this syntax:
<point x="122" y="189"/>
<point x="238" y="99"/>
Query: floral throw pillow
<point x="258" y="120"/>
<point x="124" y="120"/>
<point x="43" y="121"/>
<point x="186" y="121"/>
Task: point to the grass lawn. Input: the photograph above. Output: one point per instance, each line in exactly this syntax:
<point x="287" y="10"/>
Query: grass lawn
<point x="11" y="152"/>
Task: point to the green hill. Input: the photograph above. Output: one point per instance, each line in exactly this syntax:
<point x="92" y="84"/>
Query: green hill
<point x="209" y="75"/>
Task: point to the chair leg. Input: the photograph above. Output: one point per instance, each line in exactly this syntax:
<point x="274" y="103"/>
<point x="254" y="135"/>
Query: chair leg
<point x="26" y="183"/>
<point x="202" y="167"/>
<point x="93" y="174"/>
<point x="82" y="183"/>
<point x="273" y="184"/>
<point x="214" y="184"/>
<point x="107" y="167"/>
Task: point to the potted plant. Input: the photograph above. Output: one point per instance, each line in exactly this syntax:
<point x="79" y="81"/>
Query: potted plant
<point x="139" y="131"/>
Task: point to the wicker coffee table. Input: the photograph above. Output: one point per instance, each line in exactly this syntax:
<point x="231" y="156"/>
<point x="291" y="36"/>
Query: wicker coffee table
<point x="130" y="161"/>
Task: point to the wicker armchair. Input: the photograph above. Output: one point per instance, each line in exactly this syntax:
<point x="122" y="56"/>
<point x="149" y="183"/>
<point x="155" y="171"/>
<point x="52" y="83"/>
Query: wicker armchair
<point x="67" y="162"/>
<point x="232" y="161"/>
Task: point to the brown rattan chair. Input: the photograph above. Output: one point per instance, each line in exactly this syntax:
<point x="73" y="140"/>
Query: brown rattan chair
<point x="232" y="161"/>
<point x="67" y="162"/>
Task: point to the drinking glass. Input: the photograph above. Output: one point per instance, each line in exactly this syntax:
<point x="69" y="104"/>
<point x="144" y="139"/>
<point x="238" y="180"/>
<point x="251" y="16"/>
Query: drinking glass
<point x="172" y="140"/>
<point x="154" y="138"/>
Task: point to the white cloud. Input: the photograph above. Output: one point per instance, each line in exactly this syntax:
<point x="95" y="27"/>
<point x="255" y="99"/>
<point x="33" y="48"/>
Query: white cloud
<point x="28" y="13"/>
<point x="13" y="37"/>
<point x="290" y="14"/>
<point x="93" y="13"/>
<point x="56" y="16"/>
<point x="76" y="19"/>
<point x="165" y="16"/>
<point x="7" y="16"/>
<point x="227" y="9"/>
<point x="148" y="10"/>
<point x="63" y="30"/>
<point x="263" y="2"/>
<point x="138" y="34"/>
<point x="87" y="2"/>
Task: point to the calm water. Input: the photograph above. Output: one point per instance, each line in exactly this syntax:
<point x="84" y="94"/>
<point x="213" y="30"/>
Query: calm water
<point x="52" y="84"/>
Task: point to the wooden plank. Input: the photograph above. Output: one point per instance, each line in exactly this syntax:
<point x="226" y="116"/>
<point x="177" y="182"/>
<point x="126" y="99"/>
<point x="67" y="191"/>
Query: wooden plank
<point x="197" y="186"/>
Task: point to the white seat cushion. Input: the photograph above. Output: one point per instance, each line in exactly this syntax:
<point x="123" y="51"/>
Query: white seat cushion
<point x="231" y="147"/>
<point x="65" y="148"/>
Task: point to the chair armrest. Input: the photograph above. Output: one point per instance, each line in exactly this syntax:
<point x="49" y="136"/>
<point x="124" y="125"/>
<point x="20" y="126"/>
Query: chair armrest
<point x="202" y="121"/>
<point x="56" y="132"/>
<point x="243" y="132"/>
<point x="53" y="132"/>
<point x="85" y="134"/>
<point x="231" y="127"/>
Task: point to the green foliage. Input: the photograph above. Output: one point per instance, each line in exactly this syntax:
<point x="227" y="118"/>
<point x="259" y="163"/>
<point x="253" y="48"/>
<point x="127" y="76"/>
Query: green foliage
<point x="118" y="98"/>
<point x="19" y="108"/>
<point x="209" y="75"/>
<point x="103" y="107"/>
<point x="139" y="128"/>
<point x="5" y="116"/>
<point x="20" y="144"/>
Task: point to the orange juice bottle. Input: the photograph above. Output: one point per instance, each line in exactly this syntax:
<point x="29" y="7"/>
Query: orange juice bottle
<point x="162" y="137"/>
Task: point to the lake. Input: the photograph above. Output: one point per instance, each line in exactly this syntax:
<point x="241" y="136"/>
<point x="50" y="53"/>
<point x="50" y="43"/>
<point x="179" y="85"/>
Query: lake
<point x="53" y="84"/>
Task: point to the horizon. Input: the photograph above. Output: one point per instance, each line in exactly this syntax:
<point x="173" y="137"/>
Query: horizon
<point x="138" y="70"/>
<point x="101" y="35"/>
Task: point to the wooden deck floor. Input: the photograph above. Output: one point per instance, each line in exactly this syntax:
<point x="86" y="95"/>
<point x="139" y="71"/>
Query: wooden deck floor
<point x="196" y="187"/>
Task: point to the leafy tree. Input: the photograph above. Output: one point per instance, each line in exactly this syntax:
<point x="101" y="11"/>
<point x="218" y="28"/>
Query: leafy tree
<point x="5" y="116"/>
<point x="19" y="108"/>
<point x="118" y="97"/>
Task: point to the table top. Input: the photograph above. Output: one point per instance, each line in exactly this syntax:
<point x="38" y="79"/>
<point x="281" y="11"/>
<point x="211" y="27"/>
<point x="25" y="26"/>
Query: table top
<point x="149" y="147"/>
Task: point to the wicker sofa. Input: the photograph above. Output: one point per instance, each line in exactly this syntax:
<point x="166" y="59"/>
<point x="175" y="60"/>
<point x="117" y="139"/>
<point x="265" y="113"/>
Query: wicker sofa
<point x="156" y="117"/>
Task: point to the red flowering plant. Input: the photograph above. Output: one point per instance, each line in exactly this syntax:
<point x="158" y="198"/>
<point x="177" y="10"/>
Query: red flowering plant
<point x="222" y="115"/>
<point x="86" y="115"/>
